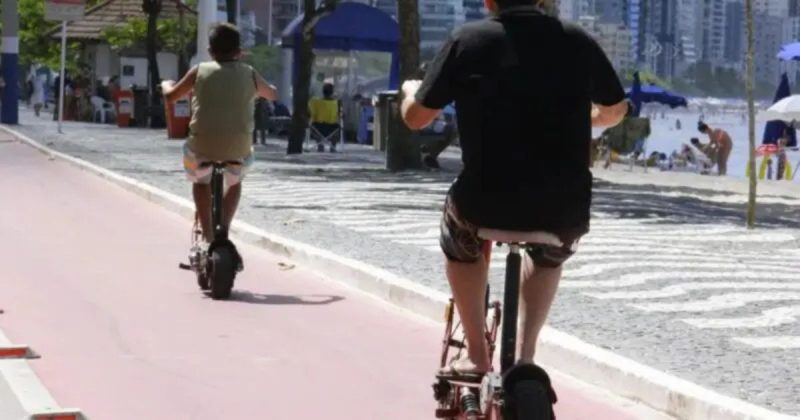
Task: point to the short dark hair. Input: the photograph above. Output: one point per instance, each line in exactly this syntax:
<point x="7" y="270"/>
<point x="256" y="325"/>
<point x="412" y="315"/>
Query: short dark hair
<point x="327" y="90"/>
<point x="224" y="40"/>
<point x="702" y="127"/>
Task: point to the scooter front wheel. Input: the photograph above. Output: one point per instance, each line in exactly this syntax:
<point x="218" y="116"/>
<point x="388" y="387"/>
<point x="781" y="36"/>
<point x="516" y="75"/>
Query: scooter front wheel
<point x="528" y="400"/>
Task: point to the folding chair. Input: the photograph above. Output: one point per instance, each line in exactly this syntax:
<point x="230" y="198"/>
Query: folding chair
<point x="327" y="133"/>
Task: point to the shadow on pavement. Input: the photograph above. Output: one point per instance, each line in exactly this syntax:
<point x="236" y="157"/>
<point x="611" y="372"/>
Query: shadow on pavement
<point x="686" y="205"/>
<point x="262" y="299"/>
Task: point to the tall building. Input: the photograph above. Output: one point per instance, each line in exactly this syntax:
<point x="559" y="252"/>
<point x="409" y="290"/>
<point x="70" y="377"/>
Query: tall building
<point x="713" y="32"/>
<point x="437" y="19"/>
<point x="769" y="33"/>
<point x="657" y="44"/>
<point x="779" y="8"/>
<point x="610" y="11"/>
<point x="794" y="8"/>
<point x="734" y="33"/>
<point x="633" y="19"/>
<point x="567" y="9"/>
<point x="613" y="38"/>
<point x="474" y="10"/>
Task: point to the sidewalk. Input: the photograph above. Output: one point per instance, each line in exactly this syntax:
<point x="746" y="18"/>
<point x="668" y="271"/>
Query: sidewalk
<point x="667" y="277"/>
<point x="91" y="278"/>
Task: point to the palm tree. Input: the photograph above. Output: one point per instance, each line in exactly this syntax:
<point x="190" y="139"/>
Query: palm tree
<point x="302" y="82"/>
<point x="751" y="126"/>
<point x="152" y="8"/>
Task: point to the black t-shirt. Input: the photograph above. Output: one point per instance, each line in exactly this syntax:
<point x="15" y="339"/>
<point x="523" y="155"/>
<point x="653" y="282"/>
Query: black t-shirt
<point x="523" y="84"/>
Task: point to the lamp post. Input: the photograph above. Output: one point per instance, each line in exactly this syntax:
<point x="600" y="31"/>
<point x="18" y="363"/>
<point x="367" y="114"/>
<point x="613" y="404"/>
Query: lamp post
<point x="206" y="16"/>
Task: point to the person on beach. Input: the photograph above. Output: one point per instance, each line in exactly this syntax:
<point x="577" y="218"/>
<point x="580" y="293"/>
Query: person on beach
<point x="721" y="144"/>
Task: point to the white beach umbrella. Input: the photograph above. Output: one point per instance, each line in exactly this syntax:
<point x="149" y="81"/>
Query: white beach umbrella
<point x="787" y="109"/>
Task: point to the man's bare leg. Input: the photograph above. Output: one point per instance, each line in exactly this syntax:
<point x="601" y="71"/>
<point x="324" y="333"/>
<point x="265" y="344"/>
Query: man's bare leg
<point x="231" y="202"/>
<point x="468" y="283"/>
<point x="538" y="290"/>
<point x="202" y="202"/>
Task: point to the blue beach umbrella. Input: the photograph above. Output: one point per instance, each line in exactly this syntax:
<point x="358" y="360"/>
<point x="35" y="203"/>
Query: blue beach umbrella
<point x="639" y="94"/>
<point x="789" y="52"/>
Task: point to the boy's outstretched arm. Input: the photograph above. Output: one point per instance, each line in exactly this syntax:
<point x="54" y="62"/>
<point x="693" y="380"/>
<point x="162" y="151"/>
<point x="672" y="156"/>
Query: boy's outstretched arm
<point x="172" y="91"/>
<point x="264" y="89"/>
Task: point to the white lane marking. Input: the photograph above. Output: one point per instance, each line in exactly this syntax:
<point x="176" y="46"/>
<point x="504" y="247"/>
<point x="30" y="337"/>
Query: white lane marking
<point x="718" y="302"/>
<point x="769" y="318"/>
<point x="636" y="279"/>
<point x="684" y="288"/>
<point x="783" y="342"/>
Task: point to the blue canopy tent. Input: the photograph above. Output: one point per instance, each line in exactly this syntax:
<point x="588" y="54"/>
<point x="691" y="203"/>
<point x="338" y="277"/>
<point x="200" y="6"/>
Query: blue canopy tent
<point x="351" y="27"/>
<point x="774" y="129"/>
<point x="789" y="52"/>
<point x="639" y="94"/>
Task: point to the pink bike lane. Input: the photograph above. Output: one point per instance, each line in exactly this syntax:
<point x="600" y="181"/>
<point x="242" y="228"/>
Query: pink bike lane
<point x="91" y="282"/>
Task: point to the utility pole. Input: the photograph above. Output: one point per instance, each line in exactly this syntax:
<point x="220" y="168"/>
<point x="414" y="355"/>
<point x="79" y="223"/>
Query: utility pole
<point x="10" y="57"/>
<point x="206" y="16"/>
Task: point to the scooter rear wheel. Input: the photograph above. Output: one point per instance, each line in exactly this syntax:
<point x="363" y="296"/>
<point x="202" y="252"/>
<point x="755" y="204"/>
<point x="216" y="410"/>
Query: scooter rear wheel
<point x="222" y="273"/>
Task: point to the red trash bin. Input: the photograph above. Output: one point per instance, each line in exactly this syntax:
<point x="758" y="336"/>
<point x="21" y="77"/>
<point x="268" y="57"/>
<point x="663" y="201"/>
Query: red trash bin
<point x="123" y="102"/>
<point x="179" y="114"/>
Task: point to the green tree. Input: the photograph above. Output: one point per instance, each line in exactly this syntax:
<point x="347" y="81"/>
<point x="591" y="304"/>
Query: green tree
<point x="172" y="35"/>
<point x="36" y="46"/>
<point x="266" y="59"/>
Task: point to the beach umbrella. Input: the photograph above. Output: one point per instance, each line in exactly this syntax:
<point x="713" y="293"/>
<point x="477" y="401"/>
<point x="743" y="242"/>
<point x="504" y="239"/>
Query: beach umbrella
<point x="787" y="110"/>
<point x="775" y="128"/>
<point x="652" y="93"/>
<point x="789" y="52"/>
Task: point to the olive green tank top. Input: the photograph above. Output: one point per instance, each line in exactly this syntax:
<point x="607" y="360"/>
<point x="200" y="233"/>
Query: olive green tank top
<point x="222" y="111"/>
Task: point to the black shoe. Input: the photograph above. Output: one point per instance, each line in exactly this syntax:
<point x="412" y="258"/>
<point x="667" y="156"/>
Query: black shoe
<point x="431" y="162"/>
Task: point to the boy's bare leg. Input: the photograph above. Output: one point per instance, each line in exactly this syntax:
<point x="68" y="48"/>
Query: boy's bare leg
<point x="468" y="283"/>
<point x="231" y="202"/>
<point x="202" y="202"/>
<point x="538" y="290"/>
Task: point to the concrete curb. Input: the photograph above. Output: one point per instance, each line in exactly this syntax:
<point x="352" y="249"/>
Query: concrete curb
<point x="568" y="354"/>
<point x="22" y="394"/>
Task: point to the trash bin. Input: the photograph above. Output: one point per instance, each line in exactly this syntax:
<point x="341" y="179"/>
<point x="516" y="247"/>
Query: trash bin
<point x="141" y="100"/>
<point x="179" y="114"/>
<point x="391" y="134"/>
<point x="380" y="118"/>
<point x="123" y="101"/>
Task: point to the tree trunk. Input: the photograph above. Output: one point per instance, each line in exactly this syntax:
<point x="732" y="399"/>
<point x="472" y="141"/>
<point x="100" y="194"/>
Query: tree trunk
<point x="153" y="8"/>
<point x="408" y="19"/>
<point x="751" y="126"/>
<point x="183" y="56"/>
<point x="232" y="7"/>
<point x="302" y="81"/>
